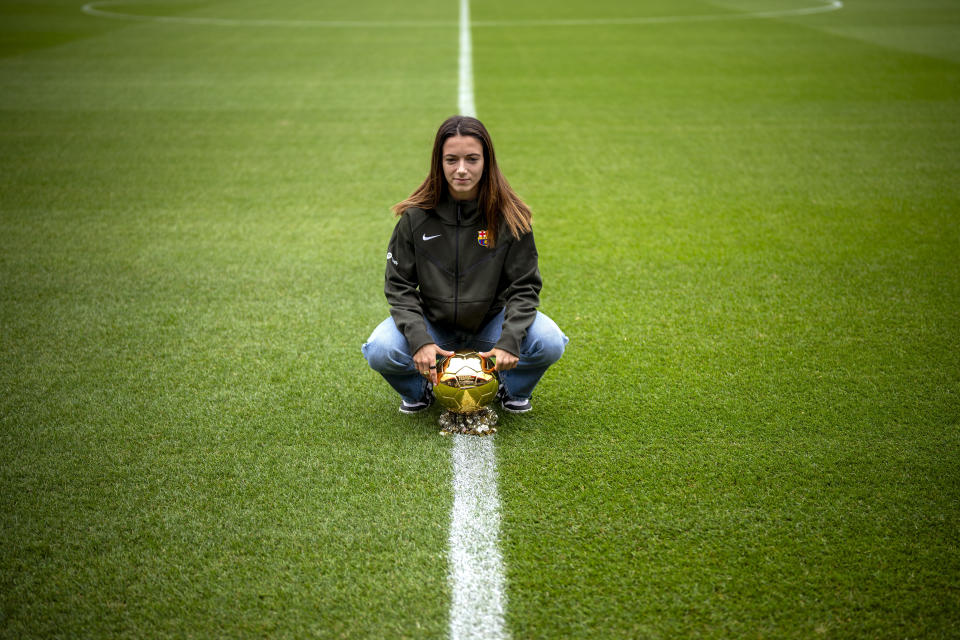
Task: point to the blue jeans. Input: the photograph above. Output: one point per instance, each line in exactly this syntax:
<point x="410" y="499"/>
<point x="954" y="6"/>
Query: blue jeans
<point x="388" y="354"/>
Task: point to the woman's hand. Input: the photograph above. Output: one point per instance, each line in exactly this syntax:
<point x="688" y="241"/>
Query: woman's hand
<point x="505" y="359"/>
<point x="425" y="360"/>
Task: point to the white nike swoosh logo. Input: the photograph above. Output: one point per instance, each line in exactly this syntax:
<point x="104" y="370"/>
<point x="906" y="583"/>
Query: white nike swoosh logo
<point x="426" y="237"/>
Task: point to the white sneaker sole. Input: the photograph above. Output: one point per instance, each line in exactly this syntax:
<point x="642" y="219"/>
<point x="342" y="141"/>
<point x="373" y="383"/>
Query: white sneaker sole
<point x="411" y="411"/>
<point x="525" y="409"/>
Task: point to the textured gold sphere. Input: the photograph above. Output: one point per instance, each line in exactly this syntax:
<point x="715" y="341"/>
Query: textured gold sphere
<point x="466" y="382"/>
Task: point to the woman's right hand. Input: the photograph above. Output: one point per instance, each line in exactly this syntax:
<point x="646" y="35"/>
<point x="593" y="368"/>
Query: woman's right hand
<point x="425" y="360"/>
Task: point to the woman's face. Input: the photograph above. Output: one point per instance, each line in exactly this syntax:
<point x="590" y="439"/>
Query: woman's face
<point x="463" y="166"/>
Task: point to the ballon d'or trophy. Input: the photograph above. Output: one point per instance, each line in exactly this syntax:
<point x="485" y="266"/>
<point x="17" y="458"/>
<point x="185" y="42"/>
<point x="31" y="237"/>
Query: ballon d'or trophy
<point x="466" y="384"/>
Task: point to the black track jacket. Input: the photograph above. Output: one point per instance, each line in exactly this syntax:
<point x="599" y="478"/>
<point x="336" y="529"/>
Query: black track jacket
<point x="437" y="268"/>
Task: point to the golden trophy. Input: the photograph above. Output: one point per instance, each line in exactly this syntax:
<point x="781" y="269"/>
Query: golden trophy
<point x="466" y="384"/>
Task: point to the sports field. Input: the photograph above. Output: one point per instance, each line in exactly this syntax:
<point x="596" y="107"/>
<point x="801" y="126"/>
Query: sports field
<point x="748" y="218"/>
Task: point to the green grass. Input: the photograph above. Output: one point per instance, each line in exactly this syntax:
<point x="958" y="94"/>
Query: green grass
<point x="748" y="229"/>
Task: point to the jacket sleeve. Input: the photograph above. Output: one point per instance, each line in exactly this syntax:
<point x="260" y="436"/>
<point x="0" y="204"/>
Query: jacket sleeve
<point x="400" y="287"/>
<point x="521" y="274"/>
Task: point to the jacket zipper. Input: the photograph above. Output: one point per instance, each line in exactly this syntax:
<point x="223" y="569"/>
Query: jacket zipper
<point x="456" y="272"/>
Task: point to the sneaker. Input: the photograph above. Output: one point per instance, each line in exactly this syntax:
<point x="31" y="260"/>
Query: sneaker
<point x="513" y="405"/>
<point x="411" y="408"/>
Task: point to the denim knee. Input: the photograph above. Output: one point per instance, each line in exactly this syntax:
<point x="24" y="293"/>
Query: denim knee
<point x="546" y="348"/>
<point x="386" y="358"/>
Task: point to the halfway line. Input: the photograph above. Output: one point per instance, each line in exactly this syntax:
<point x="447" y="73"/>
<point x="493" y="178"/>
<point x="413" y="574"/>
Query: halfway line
<point x="465" y="89"/>
<point x="476" y="567"/>
<point x="479" y="599"/>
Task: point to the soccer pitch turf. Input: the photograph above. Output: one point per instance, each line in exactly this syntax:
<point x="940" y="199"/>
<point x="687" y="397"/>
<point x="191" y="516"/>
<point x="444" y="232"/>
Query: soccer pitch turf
<point x="748" y="228"/>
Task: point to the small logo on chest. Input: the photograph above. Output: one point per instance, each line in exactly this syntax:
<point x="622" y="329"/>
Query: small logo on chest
<point x="482" y="238"/>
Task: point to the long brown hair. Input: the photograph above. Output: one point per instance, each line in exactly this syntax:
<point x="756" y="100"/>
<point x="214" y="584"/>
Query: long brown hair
<point x="495" y="197"/>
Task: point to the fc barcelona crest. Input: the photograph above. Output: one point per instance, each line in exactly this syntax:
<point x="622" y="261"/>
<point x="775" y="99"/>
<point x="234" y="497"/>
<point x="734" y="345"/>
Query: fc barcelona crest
<point x="482" y="238"/>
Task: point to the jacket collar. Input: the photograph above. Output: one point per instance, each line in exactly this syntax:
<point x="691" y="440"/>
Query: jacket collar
<point x="447" y="210"/>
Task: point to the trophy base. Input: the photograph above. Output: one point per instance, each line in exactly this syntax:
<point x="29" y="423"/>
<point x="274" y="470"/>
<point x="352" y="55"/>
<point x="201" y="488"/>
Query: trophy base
<point x="478" y="423"/>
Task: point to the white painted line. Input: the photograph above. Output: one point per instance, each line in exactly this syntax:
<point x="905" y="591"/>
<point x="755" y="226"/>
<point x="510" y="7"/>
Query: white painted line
<point x="465" y="87"/>
<point x="479" y="598"/>
<point x="832" y="5"/>
<point x="476" y="567"/>
<point x="98" y="9"/>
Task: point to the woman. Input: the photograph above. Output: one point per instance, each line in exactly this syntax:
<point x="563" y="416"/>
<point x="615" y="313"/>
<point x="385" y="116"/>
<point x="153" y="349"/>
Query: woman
<point x="462" y="274"/>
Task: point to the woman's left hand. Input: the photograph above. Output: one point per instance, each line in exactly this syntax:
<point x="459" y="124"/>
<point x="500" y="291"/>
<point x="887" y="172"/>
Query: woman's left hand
<point x="505" y="359"/>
